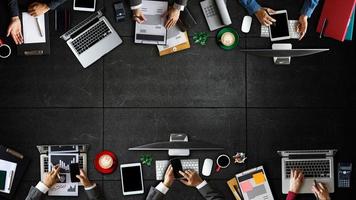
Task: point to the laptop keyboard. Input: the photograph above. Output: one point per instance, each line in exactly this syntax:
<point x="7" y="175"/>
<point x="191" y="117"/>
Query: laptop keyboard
<point x="310" y="168"/>
<point x="91" y="37"/>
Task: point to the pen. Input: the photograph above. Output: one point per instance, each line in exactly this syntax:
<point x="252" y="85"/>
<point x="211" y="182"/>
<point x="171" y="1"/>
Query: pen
<point x="11" y="179"/>
<point x="58" y="176"/>
<point x="14" y="153"/>
<point x="316" y="185"/>
<point x="323" y="28"/>
<point x="39" y="27"/>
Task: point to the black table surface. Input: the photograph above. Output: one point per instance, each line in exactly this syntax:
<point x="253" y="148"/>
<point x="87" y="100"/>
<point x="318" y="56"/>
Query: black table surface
<point x="132" y="96"/>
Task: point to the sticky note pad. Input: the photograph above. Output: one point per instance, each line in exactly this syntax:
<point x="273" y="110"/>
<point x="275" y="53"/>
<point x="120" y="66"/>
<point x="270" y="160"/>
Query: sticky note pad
<point x="2" y="179"/>
<point x="259" y="178"/>
<point x="246" y="186"/>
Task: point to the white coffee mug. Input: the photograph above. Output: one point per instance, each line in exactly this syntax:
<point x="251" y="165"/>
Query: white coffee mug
<point x="5" y="50"/>
<point x="223" y="161"/>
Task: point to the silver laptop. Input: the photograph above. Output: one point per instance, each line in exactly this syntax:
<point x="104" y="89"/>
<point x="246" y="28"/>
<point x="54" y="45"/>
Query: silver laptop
<point x="316" y="165"/>
<point x="92" y="38"/>
<point x="81" y="149"/>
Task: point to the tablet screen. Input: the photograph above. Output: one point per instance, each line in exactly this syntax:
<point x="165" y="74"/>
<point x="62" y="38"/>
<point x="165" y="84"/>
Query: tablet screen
<point x="280" y="27"/>
<point x="131" y="177"/>
<point x="84" y="3"/>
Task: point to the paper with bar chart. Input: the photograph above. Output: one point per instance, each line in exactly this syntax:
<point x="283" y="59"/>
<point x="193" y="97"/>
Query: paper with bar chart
<point x="64" y="187"/>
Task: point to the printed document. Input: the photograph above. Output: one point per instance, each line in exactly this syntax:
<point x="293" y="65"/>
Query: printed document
<point x="152" y="31"/>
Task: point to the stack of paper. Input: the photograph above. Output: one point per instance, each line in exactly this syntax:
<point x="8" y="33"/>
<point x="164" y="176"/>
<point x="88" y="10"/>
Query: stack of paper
<point x="10" y="169"/>
<point x="176" y="41"/>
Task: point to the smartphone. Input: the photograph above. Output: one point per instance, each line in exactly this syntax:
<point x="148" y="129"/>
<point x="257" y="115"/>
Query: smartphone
<point x="177" y="166"/>
<point x="74" y="171"/>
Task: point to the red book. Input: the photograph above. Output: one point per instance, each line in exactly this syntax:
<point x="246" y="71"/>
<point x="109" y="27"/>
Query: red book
<point x="337" y="14"/>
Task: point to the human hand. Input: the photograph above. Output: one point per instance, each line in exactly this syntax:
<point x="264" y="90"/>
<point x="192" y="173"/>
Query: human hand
<point x="321" y="191"/>
<point x="296" y="180"/>
<point x="172" y="16"/>
<point x="191" y="178"/>
<point x="36" y="9"/>
<point x="84" y="179"/>
<point x="138" y="16"/>
<point x="303" y="26"/>
<point x="169" y="177"/>
<point x="51" y="178"/>
<point x="14" y="30"/>
<point x="263" y="16"/>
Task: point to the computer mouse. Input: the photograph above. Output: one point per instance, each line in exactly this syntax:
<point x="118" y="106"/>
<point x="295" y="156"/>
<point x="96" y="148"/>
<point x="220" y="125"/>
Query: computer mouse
<point x="246" y="24"/>
<point x="207" y="167"/>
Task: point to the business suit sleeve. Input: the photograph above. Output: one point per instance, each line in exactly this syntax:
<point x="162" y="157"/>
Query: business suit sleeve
<point x="53" y="4"/>
<point x="250" y="5"/>
<point x="13" y="7"/>
<point x="94" y="194"/>
<point x="135" y="3"/>
<point x="210" y="194"/>
<point x="34" y="194"/>
<point x="308" y="7"/>
<point x="154" y="194"/>
<point x="181" y="2"/>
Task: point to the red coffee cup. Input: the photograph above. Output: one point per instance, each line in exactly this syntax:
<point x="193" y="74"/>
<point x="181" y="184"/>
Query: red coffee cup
<point x="105" y="162"/>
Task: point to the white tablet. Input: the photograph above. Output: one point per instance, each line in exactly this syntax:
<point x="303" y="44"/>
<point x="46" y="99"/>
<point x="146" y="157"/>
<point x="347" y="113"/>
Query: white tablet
<point x="84" y="5"/>
<point x="279" y="30"/>
<point x="131" y="179"/>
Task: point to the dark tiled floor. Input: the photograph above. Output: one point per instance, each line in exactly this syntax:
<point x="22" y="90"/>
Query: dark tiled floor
<point x="132" y="96"/>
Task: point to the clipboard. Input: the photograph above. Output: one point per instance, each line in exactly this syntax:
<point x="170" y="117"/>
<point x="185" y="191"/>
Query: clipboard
<point x="36" y="49"/>
<point x="22" y="164"/>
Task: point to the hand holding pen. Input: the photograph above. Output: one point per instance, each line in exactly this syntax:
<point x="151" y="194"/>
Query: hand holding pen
<point x="321" y="191"/>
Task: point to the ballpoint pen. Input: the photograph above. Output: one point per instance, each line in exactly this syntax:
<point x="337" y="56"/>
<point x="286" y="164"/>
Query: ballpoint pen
<point x="38" y="26"/>
<point x="323" y="28"/>
<point x="11" y="179"/>
<point x="316" y="185"/>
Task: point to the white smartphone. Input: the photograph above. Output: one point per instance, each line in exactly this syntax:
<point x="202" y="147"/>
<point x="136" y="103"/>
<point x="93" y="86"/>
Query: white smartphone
<point x="84" y="5"/>
<point x="131" y="178"/>
<point x="279" y="30"/>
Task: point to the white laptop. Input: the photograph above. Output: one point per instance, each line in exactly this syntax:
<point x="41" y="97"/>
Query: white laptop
<point x="92" y="38"/>
<point x="316" y="165"/>
<point x="81" y="149"/>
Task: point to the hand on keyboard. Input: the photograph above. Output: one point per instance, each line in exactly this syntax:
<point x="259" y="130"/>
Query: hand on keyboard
<point x="296" y="180"/>
<point x="302" y="26"/>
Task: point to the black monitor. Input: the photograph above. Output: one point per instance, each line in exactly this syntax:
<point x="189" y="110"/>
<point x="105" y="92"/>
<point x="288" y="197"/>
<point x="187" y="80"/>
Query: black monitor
<point x="166" y="145"/>
<point x="283" y="52"/>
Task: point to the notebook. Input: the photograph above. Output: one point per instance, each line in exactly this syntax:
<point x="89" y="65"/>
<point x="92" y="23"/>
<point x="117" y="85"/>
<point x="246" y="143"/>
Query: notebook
<point x="10" y="158"/>
<point x="338" y="16"/>
<point x="10" y="168"/>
